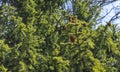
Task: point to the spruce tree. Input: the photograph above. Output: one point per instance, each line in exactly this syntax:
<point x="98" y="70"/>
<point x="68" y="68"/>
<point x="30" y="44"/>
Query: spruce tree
<point x="41" y="36"/>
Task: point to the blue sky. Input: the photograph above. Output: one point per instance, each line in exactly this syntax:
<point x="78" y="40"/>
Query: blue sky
<point x="112" y="13"/>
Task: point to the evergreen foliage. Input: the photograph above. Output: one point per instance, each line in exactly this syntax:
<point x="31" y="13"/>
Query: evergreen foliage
<point x="41" y="36"/>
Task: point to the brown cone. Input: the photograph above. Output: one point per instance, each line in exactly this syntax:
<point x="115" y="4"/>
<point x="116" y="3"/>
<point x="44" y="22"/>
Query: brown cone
<point x="72" y="38"/>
